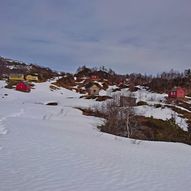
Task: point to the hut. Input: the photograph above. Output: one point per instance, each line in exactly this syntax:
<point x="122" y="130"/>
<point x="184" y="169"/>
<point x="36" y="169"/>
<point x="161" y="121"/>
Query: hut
<point x="23" y="86"/>
<point x="93" y="88"/>
<point x="16" y="77"/>
<point x="32" y="78"/>
<point x="177" y="92"/>
<point x="127" y="101"/>
<point x="94" y="78"/>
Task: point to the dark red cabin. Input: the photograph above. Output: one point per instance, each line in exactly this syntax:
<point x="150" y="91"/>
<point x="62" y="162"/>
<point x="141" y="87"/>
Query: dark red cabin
<point x="177" y="92"/>
<point x="94" y="77"/>
<point x="23" y="86"/>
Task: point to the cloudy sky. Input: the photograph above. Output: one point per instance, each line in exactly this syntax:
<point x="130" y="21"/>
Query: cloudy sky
<point x="147" y="36"/>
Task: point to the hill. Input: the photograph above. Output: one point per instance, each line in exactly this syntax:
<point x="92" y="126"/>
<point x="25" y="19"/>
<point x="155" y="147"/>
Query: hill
<point x="155" y="117"/>
<point x="45" y="147"/>
<point x="9" y="66"/>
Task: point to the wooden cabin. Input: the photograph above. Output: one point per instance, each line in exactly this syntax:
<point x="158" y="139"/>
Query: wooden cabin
<point x="94" y="78"/>
<point x="23" y="86"/>
<point x="126" y="101"/>
<point x="32" y="78"/>
<point x="16" y="77"/>
<point x="177" y="92"/>
<point x="93" y="88"/>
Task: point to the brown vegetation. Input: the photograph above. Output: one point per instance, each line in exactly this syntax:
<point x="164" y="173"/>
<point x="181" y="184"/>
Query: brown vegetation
<point x="160" y="130"/>
<point x="140" y="127"/>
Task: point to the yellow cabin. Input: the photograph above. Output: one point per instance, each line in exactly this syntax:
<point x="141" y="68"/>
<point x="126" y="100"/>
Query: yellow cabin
<point x="16" y="77"/>
<point x="32" y="78"/>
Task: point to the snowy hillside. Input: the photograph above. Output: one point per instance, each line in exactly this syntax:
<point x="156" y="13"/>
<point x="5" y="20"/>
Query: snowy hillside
<point x="151" y="99"/>
<point x="56" y="148"/>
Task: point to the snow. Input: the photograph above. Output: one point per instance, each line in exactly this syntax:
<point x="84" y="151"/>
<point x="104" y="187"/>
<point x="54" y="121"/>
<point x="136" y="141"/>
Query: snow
<point x="103" y="93"/>
<point x="56" y="148"/>
<point x="145" y="95"/>
<point x="161" y="113"/>
<point x="189" y="99"/>
<point x="149" y="110"/>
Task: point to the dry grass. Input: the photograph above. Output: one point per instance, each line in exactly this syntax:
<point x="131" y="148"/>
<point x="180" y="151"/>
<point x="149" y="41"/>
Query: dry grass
<point x="160" y="130"/>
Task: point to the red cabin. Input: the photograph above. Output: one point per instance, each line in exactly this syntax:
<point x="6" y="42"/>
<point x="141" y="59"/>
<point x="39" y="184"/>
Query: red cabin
<point x="94" y="77"/>
<point x="177" y="92"/>
<point x="23" y="86"/>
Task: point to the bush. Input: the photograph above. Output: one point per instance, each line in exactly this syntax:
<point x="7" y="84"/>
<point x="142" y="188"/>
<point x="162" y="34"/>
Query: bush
<point x="160" y="130"/>
<point x="102" y="98"/>
<point x="119" y="120"/>
<point x="91" y="112"/>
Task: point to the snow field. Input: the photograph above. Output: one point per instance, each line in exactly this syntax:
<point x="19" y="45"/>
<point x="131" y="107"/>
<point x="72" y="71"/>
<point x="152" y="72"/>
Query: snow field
<point x="57" y="148"/>
<point x="161" y="113"/>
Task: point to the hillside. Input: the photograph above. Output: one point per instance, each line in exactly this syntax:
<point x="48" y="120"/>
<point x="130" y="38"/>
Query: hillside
<point x="57" y="148"/>
<point x="9" y="66"/>
<point x="152" y="110"/>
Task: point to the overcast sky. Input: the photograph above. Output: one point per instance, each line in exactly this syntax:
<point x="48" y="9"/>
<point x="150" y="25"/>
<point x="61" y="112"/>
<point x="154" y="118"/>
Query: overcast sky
<point x="147" y="36"/>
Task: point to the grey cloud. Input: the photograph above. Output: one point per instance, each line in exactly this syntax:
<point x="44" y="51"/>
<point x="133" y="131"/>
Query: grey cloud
<point x="126" y="35"/>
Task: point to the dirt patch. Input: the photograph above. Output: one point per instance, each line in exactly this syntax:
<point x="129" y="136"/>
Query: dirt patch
<point x="97" y="98"/>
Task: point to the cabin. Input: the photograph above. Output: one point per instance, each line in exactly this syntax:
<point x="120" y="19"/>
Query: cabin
<point x="32" y="78"/>
<point x="94" y="77"/>
<point x="93" y="88"/>
<point x="23" y="86"/>
<point x="177" y="92"/>
<point x="126" y="101"/>
<point x="16" y="77"/>
<point x="122" y="84"/>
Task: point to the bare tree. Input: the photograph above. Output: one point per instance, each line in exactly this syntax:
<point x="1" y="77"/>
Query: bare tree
<point x="119" y="118"/>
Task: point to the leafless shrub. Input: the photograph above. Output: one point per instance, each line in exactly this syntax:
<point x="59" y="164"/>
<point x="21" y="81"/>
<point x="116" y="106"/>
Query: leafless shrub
<point x="119" y="119"/>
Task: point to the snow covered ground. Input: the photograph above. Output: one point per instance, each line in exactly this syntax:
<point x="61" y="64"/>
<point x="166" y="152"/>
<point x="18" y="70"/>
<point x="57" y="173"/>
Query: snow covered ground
<point x="56" y="148"/>
<point x="161" y="113"/>
<point x="151" y="99"/>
